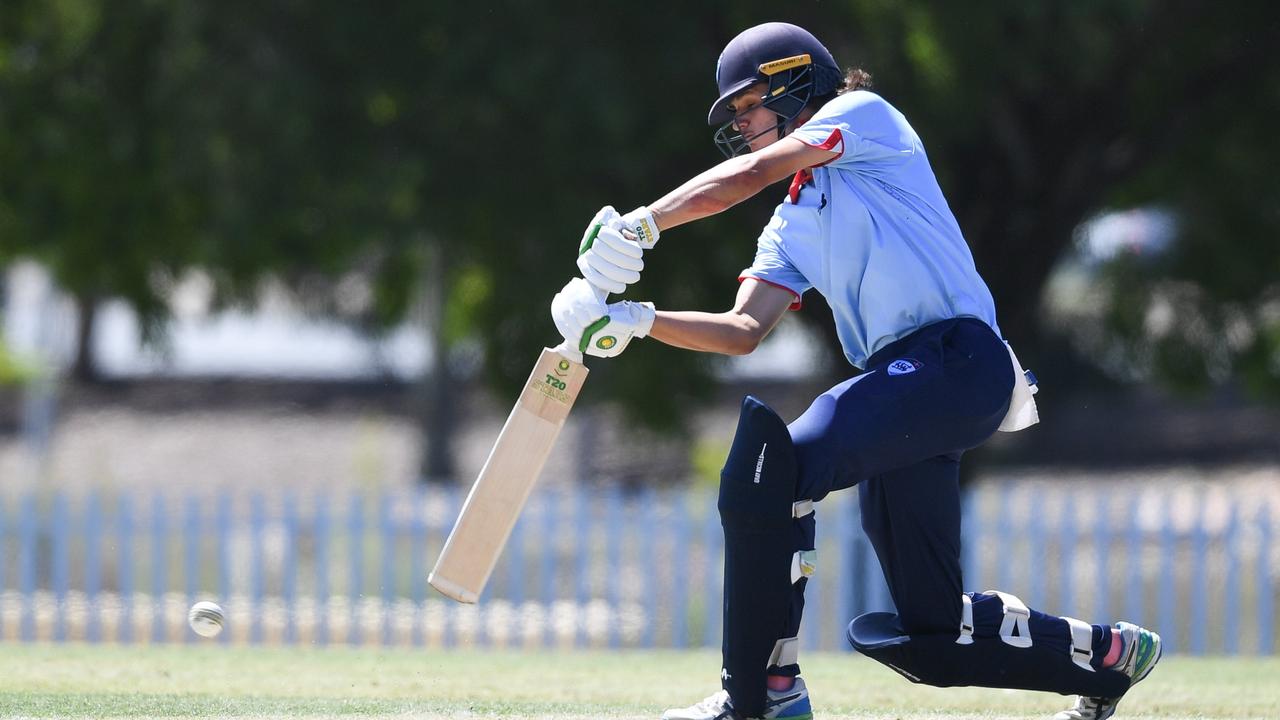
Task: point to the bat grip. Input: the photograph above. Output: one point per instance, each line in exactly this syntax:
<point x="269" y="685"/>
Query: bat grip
<point x="568" y="352"/>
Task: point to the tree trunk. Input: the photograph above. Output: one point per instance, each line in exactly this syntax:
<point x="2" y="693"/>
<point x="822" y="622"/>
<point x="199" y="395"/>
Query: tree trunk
<point x="85" y="367"/>
<point x="439" y="412"/>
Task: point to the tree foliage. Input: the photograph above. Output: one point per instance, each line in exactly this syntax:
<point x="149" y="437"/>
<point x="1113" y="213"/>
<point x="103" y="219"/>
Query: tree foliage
<point x="98" y="173"/>
<point x="1041" y="115"/>
<point x="325" y="141"/>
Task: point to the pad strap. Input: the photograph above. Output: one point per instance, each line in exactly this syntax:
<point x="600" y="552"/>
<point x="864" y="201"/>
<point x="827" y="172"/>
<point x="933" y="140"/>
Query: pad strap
<point x="966" y="621"/>
<point x="1081" y="642"/>
<point x="785" y="652"/>
<point x="803" y="564"/>
<point x="1015" y="628"/>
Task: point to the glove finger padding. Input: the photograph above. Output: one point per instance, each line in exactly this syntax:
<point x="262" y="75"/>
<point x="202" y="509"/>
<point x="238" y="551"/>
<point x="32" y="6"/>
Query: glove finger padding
<point x="568" y="326"/>
<point x="612" y="245"/>
<point x="575" y="307"/>
<point x="606" y="216"/>
<point x="610" y="255"/>
<point x="613" y="264"/>
<point x="605" y="267"/>
<point x="586" y="314"/>
<point x="599" y="279"/>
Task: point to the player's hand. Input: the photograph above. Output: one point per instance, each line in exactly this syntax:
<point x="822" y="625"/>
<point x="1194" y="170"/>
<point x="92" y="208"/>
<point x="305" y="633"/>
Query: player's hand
<point x="609" y="255"/>
<point x="575" y="307"/>
<point x="595" y="328"/>
<point x="640" y="226"/>
<point x="606" y="258"/>
<point x="627" y="320"/>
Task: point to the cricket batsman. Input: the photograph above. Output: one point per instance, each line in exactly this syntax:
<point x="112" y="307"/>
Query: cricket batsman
<point x="865" y="224"/>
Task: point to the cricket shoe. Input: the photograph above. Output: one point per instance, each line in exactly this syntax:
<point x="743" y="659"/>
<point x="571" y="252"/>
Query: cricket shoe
<point x="1140" y="653"/>
<point x="790" y="704"/>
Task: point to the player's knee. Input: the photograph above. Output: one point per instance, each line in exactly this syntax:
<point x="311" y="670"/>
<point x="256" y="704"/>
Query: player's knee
<point x="816" y="473"/>
<point x="928" y="615"/>
<point x="758" y="482"/>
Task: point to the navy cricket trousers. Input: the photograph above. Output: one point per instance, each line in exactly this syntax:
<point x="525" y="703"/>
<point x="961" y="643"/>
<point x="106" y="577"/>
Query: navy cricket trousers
<point x="898" y="431"/>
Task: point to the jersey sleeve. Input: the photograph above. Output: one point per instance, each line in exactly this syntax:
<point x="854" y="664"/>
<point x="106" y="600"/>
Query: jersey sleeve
<point x="771" y="264"/>
<point x="863" y="128"/>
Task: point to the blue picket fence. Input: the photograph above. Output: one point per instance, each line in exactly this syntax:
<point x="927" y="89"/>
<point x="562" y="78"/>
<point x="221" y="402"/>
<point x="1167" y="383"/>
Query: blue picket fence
<point x="604" y="568"/>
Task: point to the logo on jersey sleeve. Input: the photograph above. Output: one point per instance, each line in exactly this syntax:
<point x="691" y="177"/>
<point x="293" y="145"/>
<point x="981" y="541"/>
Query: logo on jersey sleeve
<point x="904" y="366"/>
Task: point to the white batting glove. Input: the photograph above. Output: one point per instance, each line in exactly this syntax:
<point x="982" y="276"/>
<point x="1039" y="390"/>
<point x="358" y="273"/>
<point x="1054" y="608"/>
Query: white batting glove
<point x="607" y="256"/>
<point x="626" y="320"/>
<point x="577" y="305"/>
<point x="606" y="216"/>
<point x="642" y="227"/>
<point x="610" y="261"/>
<point x="595" y="328"/>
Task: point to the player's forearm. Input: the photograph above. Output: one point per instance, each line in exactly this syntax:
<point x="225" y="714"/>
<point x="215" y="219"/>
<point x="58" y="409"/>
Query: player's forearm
<point x="711" y="192"/>
<point x="726" y="333"/>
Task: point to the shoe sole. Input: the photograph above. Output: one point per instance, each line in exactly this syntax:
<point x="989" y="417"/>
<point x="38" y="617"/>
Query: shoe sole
<point x="802" y="716"/>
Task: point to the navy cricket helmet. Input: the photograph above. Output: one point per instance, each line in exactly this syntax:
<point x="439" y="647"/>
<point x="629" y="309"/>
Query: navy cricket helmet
<point x="797" y="67"/>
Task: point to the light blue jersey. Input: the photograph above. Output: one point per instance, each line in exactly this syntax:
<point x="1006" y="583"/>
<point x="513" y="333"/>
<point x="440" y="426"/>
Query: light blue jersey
<point x="872" y="232"/>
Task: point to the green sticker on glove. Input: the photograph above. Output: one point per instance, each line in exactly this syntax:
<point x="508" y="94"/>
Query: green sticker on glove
<point x="592" y="329"/>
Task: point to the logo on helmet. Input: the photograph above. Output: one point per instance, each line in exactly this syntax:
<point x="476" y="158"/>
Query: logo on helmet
<point x="607" y="342"/>
<point x="777" y="66"/>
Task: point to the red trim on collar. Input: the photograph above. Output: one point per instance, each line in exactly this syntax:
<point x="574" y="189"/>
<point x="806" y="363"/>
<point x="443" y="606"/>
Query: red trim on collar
<point x="798" y="182"/>
<point x="806" y="174"/>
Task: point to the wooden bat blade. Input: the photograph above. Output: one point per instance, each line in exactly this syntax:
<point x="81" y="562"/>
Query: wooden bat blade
<point x="500" y="491"/>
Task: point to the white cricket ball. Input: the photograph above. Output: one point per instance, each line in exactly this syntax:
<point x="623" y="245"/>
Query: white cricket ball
<point x="206" y="618"/>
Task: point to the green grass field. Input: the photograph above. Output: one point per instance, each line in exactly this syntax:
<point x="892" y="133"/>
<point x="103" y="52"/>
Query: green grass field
<point x="204" y="681"/>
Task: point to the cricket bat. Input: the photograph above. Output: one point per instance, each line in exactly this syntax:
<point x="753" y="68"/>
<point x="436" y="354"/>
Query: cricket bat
<point x="508" y="475"/>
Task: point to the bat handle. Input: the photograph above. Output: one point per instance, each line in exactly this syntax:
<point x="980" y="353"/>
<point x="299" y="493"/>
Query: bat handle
<point x="568" y="352"/>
